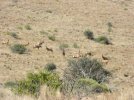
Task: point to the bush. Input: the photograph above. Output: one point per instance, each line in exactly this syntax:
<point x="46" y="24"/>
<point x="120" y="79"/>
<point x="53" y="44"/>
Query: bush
<point x="18" y="48"/>
<point x="83" y="68"/>
<point x="52" y="37"/>
<point x="28" y="27"/>
<point x="13" y="34"/>
<point x="31" y="85"/>
<point x="89" y="34"/>
<point x="50" y="66"/>
<point x="103" y="40"/>
<point x="63" y="46"/>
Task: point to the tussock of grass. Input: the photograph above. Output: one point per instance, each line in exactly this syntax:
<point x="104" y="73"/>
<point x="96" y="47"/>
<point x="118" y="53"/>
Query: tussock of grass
<point x="75" y="45"/>
<point x="10" y="84"/>
<point x="28" y="27"/>
<point x="31" y="85"/>
<point x="18" y="48"/>
<point x="13" y="34"/>
<point x="52" y="37"/>
<point x="102" y="40"/>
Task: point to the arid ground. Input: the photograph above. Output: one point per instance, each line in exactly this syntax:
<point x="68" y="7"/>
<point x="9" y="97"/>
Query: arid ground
<point x="67" y="20"/>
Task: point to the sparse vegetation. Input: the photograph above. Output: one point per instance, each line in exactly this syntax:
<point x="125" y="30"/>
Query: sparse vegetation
<point x="18" y="48"/>
<point x="50" y="66"/>
<point x="89" y="34"/>
<point x="13" y="34"/>
<point x="88" y="85"/>
<point x="55" y="30"/>
<point x="31" y="85"/>
<point x="63" y="46"/>
<point x="10" y="84"/>
<point x="103" y="40"/>
<point x="43" y="32"/>
<point x="75" y="45"/>
<point x="20" y="27"/>
<point x="49" y="11"/>
<point x="109" y="26"/>
<point x="52" y="37"/>
<point x="84" y="70"/>
<point x="28" y="27"/>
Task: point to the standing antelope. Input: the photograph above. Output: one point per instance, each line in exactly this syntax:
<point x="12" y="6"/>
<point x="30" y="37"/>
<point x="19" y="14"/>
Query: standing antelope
<point x="78" y="55"/>
<point x="38" y="45"/>
<point x="49" y="49"/>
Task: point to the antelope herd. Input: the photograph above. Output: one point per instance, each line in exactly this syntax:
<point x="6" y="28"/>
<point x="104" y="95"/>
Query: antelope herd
<point x="75" y="55"/>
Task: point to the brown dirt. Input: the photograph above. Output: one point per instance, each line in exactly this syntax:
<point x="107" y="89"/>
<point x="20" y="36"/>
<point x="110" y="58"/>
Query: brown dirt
<point x="67" y="20"/>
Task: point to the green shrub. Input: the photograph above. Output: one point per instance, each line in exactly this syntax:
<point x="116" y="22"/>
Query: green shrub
<point x="89" y="85"/>
<point x="89" y="34"/>
<point x="63" y="46"/>
<point x="103" y="40"/>
<point x="18" y="48"/>
<point x="13" y="34"/>
<point x="52" y="37"/>
<point x="83" y="68"/>
<point x="28" y="27"/>
<point x="50" y="66"/>
<point x="31" y="85"/>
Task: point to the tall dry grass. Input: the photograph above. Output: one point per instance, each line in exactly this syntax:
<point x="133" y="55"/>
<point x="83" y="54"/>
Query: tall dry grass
<point x="45" y="94"/>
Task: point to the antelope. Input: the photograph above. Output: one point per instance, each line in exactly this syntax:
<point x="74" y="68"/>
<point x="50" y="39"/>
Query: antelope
<point x="38" y="45"/>
<point x="5" y="42"/>
<point x="78" y="55"/>
<point x="105" y="58"/>
<point x="63" y="52"/>
<point x="26" y="44"/>
<point x="49" y="49"/>
<point x="88" y="54"/>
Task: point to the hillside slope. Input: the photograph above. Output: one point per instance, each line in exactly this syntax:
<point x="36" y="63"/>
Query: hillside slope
<point x="67" y="20"/>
